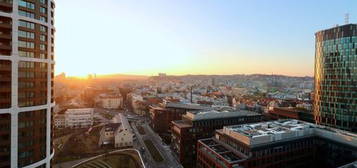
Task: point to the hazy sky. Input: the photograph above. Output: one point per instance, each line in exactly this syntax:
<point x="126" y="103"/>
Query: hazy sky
<point x="192" y="36"/>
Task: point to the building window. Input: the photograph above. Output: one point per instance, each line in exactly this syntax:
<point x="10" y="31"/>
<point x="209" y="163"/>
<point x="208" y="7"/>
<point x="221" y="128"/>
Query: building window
<point x="25" y="64"/>
<point x="43" y="10"/>
<point x="43" y="28"/>
<point x="42" y="47"/>
<point x="42" y="37"/>
<point x="26" y="34"/>
<point x="44" y="19"/>
<point x="26" y="14"/>
<point x="26" y="24"/>
<point x="26" y="4"/>
<point x="43" y="56"/>
<point x="25" y="44"/>
<point x="26" y="54"/>
<point x="43" y="2"/>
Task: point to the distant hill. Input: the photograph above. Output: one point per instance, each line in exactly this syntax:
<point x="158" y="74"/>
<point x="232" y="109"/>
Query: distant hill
<point x="62" y="76"/>
<point x="122" y="77"/>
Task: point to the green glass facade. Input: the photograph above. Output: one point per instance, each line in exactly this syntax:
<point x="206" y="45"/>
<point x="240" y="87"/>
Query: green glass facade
<point x="335" y="101"/>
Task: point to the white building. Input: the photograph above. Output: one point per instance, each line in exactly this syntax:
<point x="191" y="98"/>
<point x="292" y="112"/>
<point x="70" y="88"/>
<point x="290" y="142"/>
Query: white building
<point x="107" y="133"/>
<point x="110" y="102"/>
<point x="117" y="133"/>
<point x="123" y="137"/>
<point x="137" y="104"/>
<point x="59" y="121"/>
<point x="79" y="118"/>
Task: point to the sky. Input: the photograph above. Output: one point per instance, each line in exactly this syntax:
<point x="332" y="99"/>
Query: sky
<point x="178" y="37"/>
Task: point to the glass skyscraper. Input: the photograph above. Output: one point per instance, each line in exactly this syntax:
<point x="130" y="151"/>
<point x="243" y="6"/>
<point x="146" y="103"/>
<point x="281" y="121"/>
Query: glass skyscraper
<point x="335" y="101"/>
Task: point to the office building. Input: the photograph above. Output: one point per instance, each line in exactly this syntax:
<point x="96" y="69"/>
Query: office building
<point x="162" y="115"/>
<point x="79" y="118"/>
<point x="280" y="144"/>
<point x="290" y="113"/>
<point x="202" y="124"/>
<point x="26" y="82"/>
<point x="335" y="98"/>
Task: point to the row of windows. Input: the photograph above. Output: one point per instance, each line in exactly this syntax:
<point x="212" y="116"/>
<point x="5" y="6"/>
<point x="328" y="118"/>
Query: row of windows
<point x="25" y="124"/>
<point x="26" y="4"/>
<point x="26" y="64"/>
<point x="338" y="40"/>
<point x="31" y="15"/>
<point x="26" y="75"/>
<point x="26" y="95"/>
<point x="27" y="14"/>
<point x="26" y="34"/>
<point x="26" y="44"/>
<point x="26" y="54"/>
<point x="39" y="65"/>
<point x="31" y="35"/>
<point x="31" y="25"/>
<point x="30" y="54"/>
<point x="26" y="84"/>
<point x="26" y="24"/>
<point x="29" y="75"/>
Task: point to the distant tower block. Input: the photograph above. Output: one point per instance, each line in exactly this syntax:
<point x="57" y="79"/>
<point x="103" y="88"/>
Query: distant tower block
<point x="347" y="18"/>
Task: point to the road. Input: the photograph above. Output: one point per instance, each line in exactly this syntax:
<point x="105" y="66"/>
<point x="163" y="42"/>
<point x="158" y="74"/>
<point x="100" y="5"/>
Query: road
<point x="162" y="147"/>
<point x="165" y="151"/>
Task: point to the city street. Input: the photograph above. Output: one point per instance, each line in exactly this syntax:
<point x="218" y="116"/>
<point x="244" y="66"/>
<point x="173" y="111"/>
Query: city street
<point x="169" y="160"/>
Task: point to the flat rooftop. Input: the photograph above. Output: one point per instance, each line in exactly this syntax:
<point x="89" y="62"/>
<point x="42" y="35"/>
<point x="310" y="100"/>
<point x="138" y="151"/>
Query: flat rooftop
<point x="214" y="114"/>
<point x="186" y="106"/>
<point x="222" y="150"/>
<point x="283" y="130"/>
<point x="182" y="123"/>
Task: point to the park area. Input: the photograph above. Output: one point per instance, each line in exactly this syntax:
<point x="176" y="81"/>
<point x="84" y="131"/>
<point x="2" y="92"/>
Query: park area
<point x="78" y="145"/>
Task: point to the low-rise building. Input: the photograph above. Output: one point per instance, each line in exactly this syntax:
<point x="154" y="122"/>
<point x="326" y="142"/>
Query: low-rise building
<point x="59" y="121"/>
<point x="124" y="136"/>
<point x="79" y="118"/>
<point x="291" y="113"/>
<point x="281" y="144"/>
<point x="202" y="124"/>
<point x="110" y="101"/>
<point x="162" y="115"/>
<point x="118" y="133"/>
<point x="137" y="103"/>
<point x="106" y="134"/>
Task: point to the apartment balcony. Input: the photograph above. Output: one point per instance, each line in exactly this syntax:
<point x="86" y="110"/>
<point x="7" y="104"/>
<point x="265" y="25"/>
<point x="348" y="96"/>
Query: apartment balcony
<point x="5" y="102"/>
<point x="5" y="36"/>
<point x="4" y="164"/>
<point x="5" y="68"/>
<point x="4" y="78"/>
<point x="5" y="25"/>
<point x="5" y="46"/>
<point x="6" y="6"/>
<point x="5" y="89"/>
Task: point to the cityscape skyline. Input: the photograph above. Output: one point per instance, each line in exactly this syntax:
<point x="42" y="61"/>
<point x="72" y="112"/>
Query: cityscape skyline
<point x="193" y="38"/>
<point x="178" y="84"/>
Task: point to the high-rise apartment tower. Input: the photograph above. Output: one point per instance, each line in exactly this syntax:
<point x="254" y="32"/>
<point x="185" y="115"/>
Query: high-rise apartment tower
<point x="26" y="82"/>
